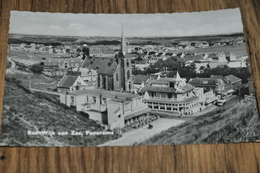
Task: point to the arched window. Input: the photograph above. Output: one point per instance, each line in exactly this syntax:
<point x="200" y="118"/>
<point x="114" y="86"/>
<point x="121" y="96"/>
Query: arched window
<point x="117" y="77"/>
<point x="127" y="63"/>
<point x="128" y="74"/>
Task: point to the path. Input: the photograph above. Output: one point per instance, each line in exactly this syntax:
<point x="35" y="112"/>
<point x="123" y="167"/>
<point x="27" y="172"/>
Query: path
<point x="48" y="92"/>
<point x="10" y="70"/>
<point x="141" y="134"/>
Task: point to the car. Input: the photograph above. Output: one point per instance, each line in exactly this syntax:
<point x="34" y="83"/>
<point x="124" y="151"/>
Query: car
<point x="221" y="102"/>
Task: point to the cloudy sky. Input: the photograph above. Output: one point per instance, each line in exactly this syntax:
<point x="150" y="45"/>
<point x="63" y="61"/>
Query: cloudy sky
<point x="175" y="24"/>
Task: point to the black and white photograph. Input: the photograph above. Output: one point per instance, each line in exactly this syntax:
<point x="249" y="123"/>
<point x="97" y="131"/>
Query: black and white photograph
<point x="128" y="80"/>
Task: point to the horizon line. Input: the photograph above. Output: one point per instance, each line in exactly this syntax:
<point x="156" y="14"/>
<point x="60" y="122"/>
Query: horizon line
<point x="242" y="32"/>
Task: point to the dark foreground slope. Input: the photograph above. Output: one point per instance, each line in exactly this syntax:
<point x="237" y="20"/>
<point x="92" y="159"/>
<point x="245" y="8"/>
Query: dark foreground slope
<point x="239" y="123"/>
<point x="25" y="111"/>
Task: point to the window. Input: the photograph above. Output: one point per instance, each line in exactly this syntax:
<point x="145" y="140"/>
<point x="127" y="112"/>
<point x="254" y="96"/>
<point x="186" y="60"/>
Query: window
<point x="104" y="100"/>
<point x="94" y="99"/>
<point x="128" y="74"/>
<point x="72" y="100"/>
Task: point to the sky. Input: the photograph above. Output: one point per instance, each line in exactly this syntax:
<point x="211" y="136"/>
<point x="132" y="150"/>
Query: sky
<point x="139" y="25"/>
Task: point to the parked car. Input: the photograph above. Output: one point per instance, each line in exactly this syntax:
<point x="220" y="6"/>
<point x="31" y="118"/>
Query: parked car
<point x="221" y="102"/>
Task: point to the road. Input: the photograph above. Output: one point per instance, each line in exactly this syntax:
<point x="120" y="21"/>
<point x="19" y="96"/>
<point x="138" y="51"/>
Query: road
<point x="143" y="133"/>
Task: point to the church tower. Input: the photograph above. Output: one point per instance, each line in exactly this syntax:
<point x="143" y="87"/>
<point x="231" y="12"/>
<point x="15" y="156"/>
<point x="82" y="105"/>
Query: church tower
<point x="125" y="66"/>
<point x="123" y="44"/>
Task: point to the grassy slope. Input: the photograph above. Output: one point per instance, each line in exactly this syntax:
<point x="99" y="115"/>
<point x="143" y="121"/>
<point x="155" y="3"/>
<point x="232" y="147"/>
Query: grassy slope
<point x="25" y="111"/>
<point x="236" y="124"/>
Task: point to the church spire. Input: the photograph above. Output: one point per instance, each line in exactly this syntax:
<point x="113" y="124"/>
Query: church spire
<point x="123" y="44"/>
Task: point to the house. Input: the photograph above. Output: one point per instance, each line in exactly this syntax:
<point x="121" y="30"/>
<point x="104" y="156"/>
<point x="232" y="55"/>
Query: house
<point x="212" y="65"/>
<point x="114" y="109"/>
<point x="234" y="81"/>
<point x="211" y="56"/>
<point x="161" y="74"/>
<point x="15" y="47"/>
<point x="200" y="65"/>
<point x="70" y="83"/>
<point x="103" y="51"/>
<point x="89" y="76"/>
<point x="172" y="95"/>
<point x="193" y="57"/>
<point x="29" y="48"/>
<point x="204" y="44"/>
<point x="141" y="65"/>
<point x="218" y="84"/>
<point x="237" y="64"/>
<point x="230" y="56"/>
<point x="220" y="57"/>
<point x="64" y="62"/>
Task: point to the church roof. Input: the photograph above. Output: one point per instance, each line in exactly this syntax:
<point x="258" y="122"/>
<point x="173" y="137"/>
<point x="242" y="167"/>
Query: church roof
<point x="104" y="66"/>
<point x="120" y="55"/>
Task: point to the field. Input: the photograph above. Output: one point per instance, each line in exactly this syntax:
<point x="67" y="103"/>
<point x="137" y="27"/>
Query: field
<point x="238" y="50"/>
<point x="25" y="111"/>
<point x="31" y="58"/>
<point x="233" y="124"/>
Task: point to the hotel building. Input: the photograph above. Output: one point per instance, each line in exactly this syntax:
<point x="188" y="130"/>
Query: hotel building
<point x="172" y="95"/>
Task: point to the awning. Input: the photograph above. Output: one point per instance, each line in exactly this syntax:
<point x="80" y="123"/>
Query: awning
<point x="137" y="113"/>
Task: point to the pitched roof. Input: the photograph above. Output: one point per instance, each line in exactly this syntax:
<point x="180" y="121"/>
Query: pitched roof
<point x="106" y="66"/>
<point x="211" y="55"/>
<point x="232" y="78"/>
<point x="138" y="79"/>
<point x="67" y="81"/>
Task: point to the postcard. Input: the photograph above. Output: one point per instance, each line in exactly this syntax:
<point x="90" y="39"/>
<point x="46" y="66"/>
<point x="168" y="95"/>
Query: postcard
<point x="127" y="79"/>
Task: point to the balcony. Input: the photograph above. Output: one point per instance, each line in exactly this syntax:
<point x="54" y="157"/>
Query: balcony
<point x="94" y="106"/>
<point x="166" y="98"/>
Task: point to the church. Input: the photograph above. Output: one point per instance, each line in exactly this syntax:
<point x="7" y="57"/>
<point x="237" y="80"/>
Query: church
<point x="115" y="73"/>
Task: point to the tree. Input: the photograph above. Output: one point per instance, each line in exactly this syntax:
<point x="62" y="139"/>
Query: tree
<point x="37" y="68"/>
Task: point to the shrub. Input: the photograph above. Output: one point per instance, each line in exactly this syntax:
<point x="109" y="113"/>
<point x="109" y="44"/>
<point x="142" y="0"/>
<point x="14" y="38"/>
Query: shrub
<point x="36" y="68"/>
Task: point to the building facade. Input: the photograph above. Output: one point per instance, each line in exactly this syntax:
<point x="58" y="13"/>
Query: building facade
<point x="172" y="95"/>
<point x="115" y="109"/>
